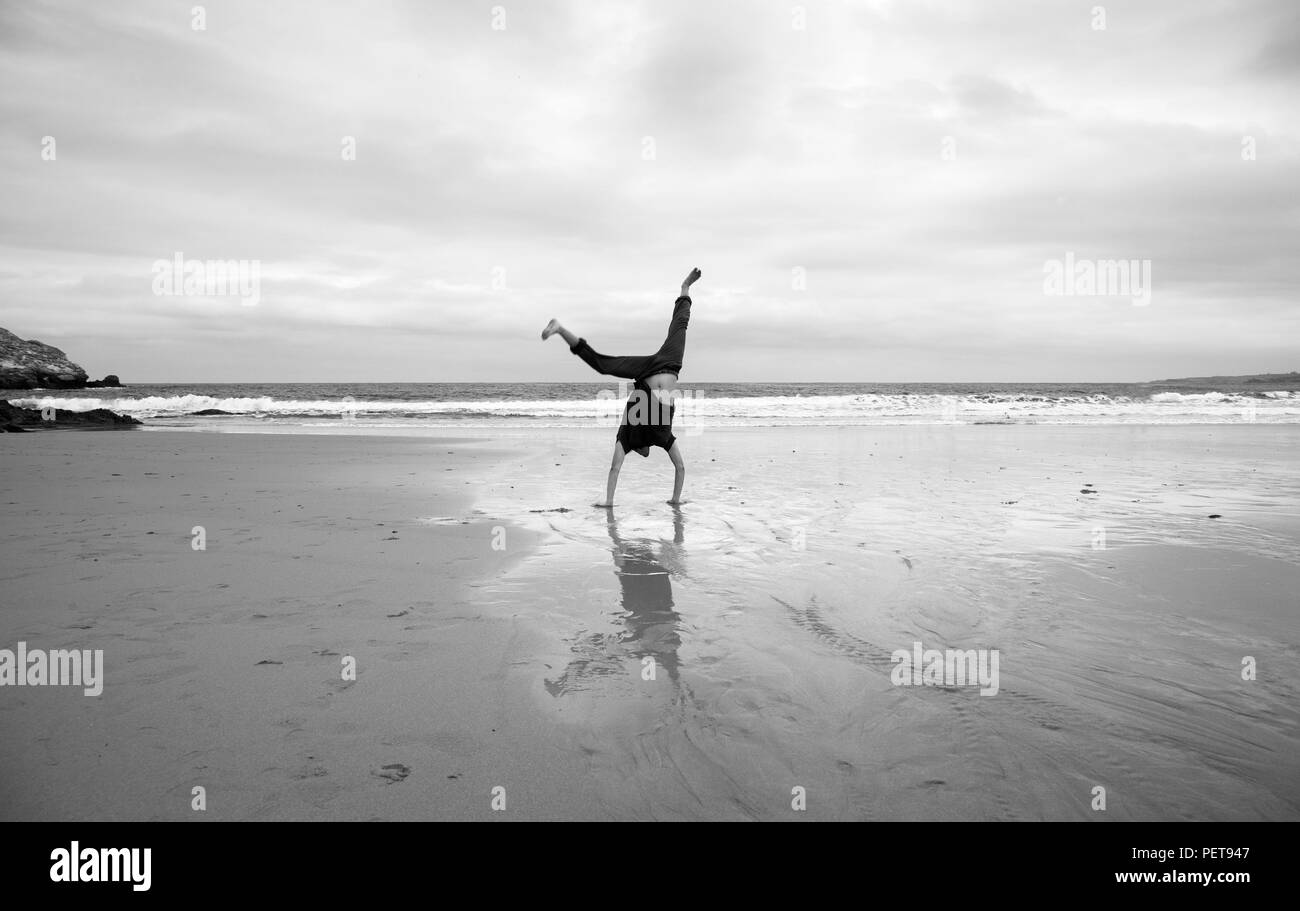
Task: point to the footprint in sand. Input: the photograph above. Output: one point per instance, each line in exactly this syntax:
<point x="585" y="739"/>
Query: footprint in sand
<point x="309" y="769"/>
<point x="332" y="688"/>
<point x="393" y="773"/>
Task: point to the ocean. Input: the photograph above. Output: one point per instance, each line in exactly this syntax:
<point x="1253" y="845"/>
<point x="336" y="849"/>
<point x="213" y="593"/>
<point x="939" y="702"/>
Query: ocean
<point x="406" y="408"/>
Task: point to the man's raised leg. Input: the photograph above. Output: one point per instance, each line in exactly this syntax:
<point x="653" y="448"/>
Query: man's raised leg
<point x="690" y="280"/>
<point x="628" y="367"/>
<point x="553" y="327"/>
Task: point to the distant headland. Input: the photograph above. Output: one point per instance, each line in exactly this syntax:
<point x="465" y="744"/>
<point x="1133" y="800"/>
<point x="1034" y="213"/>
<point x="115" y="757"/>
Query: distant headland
<point x="35" y="365"/>
<point x="1272" y="380"/>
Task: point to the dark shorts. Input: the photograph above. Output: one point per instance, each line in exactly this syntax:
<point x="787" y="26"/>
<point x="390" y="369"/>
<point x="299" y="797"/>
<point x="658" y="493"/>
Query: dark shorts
<point x="644" y="424"/>
<point x="640" y="439"/>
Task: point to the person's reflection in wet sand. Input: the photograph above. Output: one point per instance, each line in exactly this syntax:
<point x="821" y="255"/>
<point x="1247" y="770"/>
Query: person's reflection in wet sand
<point x="645" y="568"/>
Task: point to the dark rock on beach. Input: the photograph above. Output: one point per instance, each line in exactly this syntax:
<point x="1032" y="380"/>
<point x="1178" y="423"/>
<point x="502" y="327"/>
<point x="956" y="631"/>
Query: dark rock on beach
<point x="35" y="365"/>
<point x="20" y="420"/>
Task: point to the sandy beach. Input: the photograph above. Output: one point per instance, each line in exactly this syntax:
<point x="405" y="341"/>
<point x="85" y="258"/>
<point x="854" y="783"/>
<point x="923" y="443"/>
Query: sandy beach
<point x="502" y="627"/>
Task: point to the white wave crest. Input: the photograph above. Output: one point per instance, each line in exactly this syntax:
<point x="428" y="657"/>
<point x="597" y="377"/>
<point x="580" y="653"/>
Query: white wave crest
<point x="1211" y="407"/>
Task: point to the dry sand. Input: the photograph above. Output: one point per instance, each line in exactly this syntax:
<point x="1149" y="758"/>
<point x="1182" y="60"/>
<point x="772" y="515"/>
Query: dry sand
<point x="769" y="606"/>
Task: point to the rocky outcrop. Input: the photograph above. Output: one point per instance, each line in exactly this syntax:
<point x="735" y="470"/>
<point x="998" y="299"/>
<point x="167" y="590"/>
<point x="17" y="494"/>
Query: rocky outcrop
<point x="35" y="365"/>
<point x="14" y="419"/>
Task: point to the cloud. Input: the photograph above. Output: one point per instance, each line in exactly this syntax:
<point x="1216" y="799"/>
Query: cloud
<point x="914" y="163"/>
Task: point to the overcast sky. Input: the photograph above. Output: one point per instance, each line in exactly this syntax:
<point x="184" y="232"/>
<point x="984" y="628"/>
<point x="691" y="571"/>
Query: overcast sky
<point x="919" y="162"/>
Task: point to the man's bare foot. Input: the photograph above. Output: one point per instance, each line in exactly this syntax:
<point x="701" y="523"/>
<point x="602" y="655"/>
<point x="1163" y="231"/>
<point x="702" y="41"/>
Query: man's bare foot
<point x="676" y="502"/>
<point x="609" y="505"/>
<point x="690" y="280"/>
<point x="551" y="328"/>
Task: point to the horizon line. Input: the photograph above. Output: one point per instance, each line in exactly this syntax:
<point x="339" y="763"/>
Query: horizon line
<point x="126" y="385"/>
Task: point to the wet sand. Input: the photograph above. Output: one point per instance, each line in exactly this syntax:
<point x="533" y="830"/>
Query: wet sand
<point x="765" y="611"/>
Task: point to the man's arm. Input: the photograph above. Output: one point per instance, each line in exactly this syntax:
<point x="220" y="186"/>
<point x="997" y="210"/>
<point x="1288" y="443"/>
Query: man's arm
<point x="679" y="472"/>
